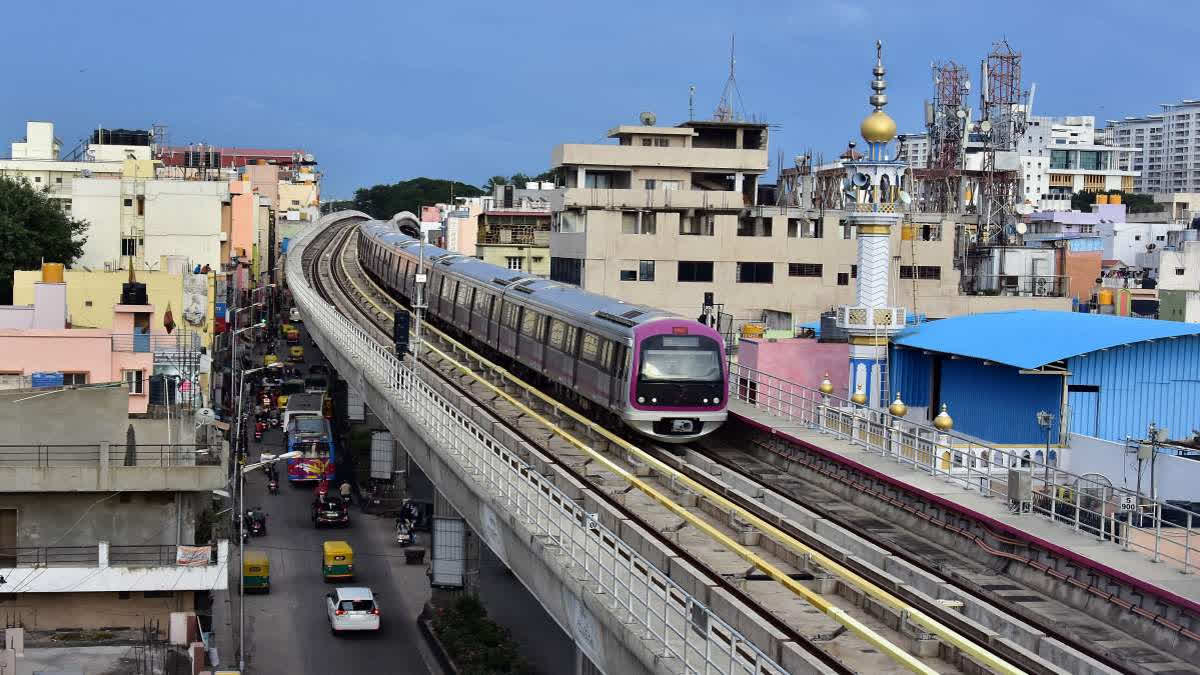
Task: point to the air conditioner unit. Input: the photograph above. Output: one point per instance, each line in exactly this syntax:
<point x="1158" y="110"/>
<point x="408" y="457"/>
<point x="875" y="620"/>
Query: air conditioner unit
<point x="1041" y="287"/>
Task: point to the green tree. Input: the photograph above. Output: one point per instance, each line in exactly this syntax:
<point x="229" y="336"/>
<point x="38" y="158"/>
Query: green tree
<point x="385" y="201"/>
<point x="32" y="229"/>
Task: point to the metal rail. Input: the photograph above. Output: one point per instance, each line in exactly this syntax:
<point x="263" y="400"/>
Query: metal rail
<point x="981" y="653"/>
<point x="1163" y="531"/>
<point x="681" y="627"/>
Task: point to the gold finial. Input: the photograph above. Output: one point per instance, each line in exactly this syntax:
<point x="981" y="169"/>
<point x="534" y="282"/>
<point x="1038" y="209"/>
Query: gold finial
<point x="826" y="386"/>
<point x="943" y="421"/>
<point x="897" y="408"/>
<point x="878" y="127"/>
<point x="859" y="398"/>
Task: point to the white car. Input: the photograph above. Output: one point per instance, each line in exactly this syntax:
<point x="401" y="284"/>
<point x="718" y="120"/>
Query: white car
<point x="294" y="315"/>
<point x="351" y="608"/>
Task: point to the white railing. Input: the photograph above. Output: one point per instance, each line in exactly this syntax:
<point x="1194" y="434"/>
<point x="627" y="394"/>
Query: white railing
<point x="1162" y="531"/>
<point x="680" y="625"/>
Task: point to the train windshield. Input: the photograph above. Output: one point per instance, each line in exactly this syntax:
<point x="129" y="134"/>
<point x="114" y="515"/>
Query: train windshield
<point x="680" y="358"/>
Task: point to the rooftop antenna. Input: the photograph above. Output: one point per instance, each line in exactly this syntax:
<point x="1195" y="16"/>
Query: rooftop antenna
<point x="691" y="101"/>
<point x="726" y="112"/>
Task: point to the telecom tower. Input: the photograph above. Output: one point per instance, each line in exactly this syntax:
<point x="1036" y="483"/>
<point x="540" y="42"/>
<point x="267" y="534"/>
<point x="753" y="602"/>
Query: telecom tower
<point x="873" y="204"/>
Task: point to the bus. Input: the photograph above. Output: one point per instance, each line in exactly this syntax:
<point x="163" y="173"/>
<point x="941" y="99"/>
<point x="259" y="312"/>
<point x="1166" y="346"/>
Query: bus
<point x="313" y="438"/>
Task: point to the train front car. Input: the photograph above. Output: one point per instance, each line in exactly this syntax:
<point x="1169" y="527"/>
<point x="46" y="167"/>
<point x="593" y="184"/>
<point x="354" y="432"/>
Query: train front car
<point x="677" y="381"/>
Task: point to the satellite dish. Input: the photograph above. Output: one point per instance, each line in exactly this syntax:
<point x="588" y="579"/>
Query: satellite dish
<point x="985" y="126"/>
<point x="1024" y="209"/>
<point x="1021" y="228"/>
<point x="205" y="416"/>
<point x="86" y="173"/>
<point x="861" y="179"/>
<point x="648" y="119"/>
<point x="961" y="113"/>
<point x="309" y="158"/>
<point x="905" y="197"/>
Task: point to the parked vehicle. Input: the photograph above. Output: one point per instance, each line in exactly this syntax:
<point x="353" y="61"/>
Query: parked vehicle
<point x="351" y="608"/>
<point x="256" y="571"/>
<point x="337" y="560"/>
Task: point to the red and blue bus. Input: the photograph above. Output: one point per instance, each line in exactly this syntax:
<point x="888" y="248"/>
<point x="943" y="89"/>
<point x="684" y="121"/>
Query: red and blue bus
<point x="312" y="436"/>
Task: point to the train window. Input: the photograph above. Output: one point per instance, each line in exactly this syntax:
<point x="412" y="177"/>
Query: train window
<point x="606" y="354"/>
<point x="530" y="321"/>
<point x="464" y="295"/>
<point x="510" y="315"/>
<point x="590" y="348"/>
<point x="448" y="288"/>
<point x="558" y="333"/>
<point x="569" y="343"/>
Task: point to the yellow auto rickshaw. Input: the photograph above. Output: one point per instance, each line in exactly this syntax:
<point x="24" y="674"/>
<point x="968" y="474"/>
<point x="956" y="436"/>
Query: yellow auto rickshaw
<point x="282" y="401"/>
<point x="268" y="359"/>
<point x="296" y="353"/>
<point x="284" y="328"/>
<point x="337" y="560"/>
<point x="256" y="571"/>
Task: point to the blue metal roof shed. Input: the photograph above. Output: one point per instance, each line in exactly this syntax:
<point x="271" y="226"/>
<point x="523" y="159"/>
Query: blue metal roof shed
<point x="1110" y="376"/>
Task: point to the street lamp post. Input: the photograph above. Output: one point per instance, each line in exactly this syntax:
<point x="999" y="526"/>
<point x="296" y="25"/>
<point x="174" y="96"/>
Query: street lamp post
<point x="1045" y="420"/>
<point x="268" y="459"/>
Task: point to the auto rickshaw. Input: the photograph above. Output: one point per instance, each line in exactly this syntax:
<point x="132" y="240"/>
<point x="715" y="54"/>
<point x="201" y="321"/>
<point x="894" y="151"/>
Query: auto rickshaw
<point x="268" y="359"/>
<point x="292" y="335"/>
<point x="337" y="560"/>
<point x="256" y="571"/>
<point x="296" y="353"/>
<point x="284" y="328"/>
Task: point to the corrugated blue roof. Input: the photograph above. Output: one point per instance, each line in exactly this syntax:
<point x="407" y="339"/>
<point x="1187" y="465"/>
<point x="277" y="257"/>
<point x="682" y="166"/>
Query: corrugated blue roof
<point x="1033" y="338"/>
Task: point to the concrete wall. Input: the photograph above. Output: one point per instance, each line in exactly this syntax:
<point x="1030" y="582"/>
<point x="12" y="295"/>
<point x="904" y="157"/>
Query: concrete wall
<point x="184" y="218"/>
<point x="85" y="518"/>
<point x="51" y="611"/>
<point x="801" y="361"/>
<point x="1083" y="268"/>
<point x="1174" y="477"/>
<point x="69" y="417"/>
<point x="98" y="201"/>
<point x="243" y="231"/>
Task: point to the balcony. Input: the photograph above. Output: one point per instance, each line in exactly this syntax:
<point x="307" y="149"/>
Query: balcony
<point x="1048" y="286"/>
<point x="705" y="159"/>
<point x="111" y="466"/>
<point x="653" y="199"/>
<point x="862" y="318"/>
<point x="108" y="568"/>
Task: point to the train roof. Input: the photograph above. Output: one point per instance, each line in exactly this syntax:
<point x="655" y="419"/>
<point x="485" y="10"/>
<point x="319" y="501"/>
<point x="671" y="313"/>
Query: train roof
<point x="549" y="295"/>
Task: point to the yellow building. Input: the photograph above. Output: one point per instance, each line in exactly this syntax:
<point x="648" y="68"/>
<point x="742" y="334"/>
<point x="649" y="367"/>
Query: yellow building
<point x="91" y="296"/>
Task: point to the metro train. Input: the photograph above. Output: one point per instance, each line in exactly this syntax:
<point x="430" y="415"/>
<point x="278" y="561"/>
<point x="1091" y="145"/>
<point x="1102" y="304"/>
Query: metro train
<point x="660" y="374"/>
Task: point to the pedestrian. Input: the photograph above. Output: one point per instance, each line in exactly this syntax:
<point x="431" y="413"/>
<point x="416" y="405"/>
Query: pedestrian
<point x="345" y="490"/>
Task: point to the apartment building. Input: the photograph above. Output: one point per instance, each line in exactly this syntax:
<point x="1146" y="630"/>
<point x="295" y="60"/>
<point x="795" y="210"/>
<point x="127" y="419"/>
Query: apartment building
<point x="1179" y="277"/>
<point x="1169" y="147"/>
<point x="667" y="214"/>
<point x="104" y="527"/>
<point x="913" y="149"/>
<point x="1062" y="155"/>
<point x="38" y="159"/>
<point x="514" y="230"/>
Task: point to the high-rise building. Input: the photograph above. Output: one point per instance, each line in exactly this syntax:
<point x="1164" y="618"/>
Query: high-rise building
<point x="1061" y="156"/>
<point x="1168" y="144"/>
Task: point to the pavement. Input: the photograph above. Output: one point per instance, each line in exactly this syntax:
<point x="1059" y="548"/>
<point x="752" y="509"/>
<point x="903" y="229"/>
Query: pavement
<point x="287" y="630"/>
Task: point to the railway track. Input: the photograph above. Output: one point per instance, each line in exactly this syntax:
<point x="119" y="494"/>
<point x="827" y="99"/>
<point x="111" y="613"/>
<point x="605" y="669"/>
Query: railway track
<point x="808" y="618"/>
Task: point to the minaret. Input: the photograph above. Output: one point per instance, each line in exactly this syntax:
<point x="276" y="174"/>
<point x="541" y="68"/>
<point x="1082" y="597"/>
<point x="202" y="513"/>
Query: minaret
<point x="872" y="190"/>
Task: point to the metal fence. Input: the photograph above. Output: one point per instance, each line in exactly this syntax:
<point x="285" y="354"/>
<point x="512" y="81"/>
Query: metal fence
<point x="117" y="454"/>
<point x="136" y="555"/>
<point x="1165" y="532"/>
<point x="679" y="625"/>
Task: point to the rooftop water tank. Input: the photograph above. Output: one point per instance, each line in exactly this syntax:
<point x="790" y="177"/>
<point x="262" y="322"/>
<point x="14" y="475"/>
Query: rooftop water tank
<point x="52" y="273"/>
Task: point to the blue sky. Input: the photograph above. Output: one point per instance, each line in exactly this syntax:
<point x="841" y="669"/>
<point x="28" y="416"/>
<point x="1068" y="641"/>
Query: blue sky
<point x="382" y="91"/>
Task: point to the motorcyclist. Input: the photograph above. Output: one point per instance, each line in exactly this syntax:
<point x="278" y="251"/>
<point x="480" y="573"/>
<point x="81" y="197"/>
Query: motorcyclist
<point x="344" y="490"/>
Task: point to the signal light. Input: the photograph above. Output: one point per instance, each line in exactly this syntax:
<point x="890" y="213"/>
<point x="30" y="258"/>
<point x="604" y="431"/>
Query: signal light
<point x="679" y="330"/>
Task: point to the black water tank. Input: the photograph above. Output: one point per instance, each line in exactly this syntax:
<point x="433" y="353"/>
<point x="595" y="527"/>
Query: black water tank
<point x="134" y="293"/>
<point x="830" y="331"/>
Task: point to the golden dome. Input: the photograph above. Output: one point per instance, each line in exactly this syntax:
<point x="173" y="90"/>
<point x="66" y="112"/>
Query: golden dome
<point x="897" y="408"/>
<point x="943" y="421"/>
<point x="859" y="398"/>
<point x="826" y="386"/>
<point x="878" y="127"/>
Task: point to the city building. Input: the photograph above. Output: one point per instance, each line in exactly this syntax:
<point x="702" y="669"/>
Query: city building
<point x="514" y="230"/>
<point x="91" y="294"/>
<point x="913" y="149"/>
<point x="142" y="217"/>
<point x="38" y="344"/>
<point x="109" y="525"/>
<point x="1179" y="276"/>
<point x="1061" y="156"/>
<point x="37" y="158"/>
<point x="462" y="222"/>
<point x="1168" y="147"/>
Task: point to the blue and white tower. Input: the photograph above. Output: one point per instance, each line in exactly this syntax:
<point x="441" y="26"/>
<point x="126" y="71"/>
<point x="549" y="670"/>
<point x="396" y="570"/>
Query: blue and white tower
<point x="873" y="205"/>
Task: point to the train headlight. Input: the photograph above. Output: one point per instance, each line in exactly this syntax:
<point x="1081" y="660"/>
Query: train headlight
<point x="641" y="399"/>
<point x="654" y="400"/>
<point x="717" y="400"/>
<point x="706" y="400"/>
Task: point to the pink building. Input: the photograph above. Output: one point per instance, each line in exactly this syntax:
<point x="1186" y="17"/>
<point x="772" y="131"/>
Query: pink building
<point x="798" y="360"/>
<point x="37" y="339"/>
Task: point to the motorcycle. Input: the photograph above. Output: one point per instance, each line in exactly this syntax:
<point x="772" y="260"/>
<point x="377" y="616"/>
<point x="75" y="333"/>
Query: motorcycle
<point x="404" y="535"/>
<point x="273" y="484"/>
<point x="256" y="523"/>
<point x="259" y="427"/>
